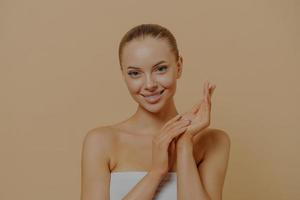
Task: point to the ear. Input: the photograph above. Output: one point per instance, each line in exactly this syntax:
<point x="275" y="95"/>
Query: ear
<point x="179" y="66"/>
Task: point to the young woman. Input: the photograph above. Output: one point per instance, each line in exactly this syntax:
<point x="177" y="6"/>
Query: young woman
<point x="157" y="152"/>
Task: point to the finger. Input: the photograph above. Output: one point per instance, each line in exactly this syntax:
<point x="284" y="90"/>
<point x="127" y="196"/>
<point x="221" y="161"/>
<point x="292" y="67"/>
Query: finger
<point x="211" y="93"/>
<point x="202" y="112"/>
<point x="211" y="89"/>
<point x="174" y="134"/>
<point x="208" y="92"/>
<point x="205" y="106"/>
<point x="177" y="117"/>
<point x="165" y="131"/>
<point x="196" y="107"/>
<point x="174" y="127"/>
<point x="178" y="124"/>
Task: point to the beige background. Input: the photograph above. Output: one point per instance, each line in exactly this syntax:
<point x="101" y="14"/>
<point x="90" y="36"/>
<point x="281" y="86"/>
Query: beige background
<point x="60" y="77"/>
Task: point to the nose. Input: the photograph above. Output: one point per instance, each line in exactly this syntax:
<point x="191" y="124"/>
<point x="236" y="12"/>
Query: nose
<point x="151" y="84"/>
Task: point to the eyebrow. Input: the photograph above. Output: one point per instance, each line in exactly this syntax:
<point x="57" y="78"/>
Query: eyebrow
<point x="162" y="61"/>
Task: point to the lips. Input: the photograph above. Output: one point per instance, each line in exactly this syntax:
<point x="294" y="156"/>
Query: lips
<point x="153" y="98"/>
<point x="153" y="94"/>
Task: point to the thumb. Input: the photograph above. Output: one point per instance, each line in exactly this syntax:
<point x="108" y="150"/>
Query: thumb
<point x="196" y="107"/>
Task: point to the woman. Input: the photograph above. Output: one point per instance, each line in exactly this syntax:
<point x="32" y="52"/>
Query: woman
<point x="155" y="153"/>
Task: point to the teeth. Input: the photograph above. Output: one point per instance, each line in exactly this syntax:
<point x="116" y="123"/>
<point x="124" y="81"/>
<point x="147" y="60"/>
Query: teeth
<point x="155" y="94"/>
<point x="153" y="98"/>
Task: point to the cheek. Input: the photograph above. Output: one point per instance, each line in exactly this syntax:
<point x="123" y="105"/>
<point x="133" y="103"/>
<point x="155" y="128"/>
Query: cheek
<point x="167" y="81"/>
<point x="134" y="86"/>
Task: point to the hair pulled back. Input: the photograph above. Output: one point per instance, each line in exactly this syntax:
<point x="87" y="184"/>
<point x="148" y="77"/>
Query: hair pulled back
<point x="152" y="30"/>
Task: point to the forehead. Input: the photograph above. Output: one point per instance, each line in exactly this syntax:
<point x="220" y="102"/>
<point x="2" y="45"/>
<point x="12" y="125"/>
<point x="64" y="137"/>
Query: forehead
<point x="146" y="52"/>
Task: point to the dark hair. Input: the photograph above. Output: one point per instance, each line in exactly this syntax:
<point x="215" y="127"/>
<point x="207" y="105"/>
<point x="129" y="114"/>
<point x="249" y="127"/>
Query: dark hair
<point x="153" y="30"/>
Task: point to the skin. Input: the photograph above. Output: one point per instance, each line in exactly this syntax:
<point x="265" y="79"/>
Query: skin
<point x="175" y="142"/>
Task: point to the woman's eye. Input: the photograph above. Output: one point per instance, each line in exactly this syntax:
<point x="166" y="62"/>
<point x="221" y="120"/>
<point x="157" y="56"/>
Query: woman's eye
<point x="133" y="73"/>
<point x="162" y="68"/>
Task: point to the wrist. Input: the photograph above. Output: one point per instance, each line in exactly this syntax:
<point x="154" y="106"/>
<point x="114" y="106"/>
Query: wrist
<point x="184" y="143"/>
<point x="184" y="156"/>
<point x="184" y="149"/>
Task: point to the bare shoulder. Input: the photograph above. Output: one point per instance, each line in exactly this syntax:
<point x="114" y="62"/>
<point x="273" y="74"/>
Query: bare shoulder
<point x="214" y="166"/>
<point x="219" y="136"/>
<point x="95" y="160"/>
<point x="100" y="133"/>
<point x="99" y="139"/>
<point x="216" y="140"/>
<point x="212" y="136"/>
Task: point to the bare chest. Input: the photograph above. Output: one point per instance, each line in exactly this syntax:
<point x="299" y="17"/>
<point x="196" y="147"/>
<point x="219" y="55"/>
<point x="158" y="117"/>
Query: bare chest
<point x="134" y="153"/>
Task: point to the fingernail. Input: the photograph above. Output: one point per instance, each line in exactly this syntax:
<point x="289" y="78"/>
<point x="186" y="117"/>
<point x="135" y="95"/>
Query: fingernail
<point x="188" y="120"/>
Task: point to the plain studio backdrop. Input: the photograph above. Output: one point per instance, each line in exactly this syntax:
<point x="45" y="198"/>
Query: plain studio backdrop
<point x="60" y="77"/>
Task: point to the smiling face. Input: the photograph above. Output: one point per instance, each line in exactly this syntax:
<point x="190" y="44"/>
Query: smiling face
<point x="150" y="71"/>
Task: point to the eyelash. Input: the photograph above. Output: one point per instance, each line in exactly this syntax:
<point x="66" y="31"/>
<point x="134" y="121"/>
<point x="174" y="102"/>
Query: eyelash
<point x="163" y="66"/>
<point x="160" y="67"/>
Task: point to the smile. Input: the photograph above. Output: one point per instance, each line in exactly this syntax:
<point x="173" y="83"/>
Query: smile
<point x="154" y="98"/>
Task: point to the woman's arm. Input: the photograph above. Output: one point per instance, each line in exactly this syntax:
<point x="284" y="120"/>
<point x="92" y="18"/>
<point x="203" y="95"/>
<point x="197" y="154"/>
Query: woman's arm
<point x="95" y="173"/>
<point x="163" y="154"/>
<point x="206" y="181"/>
<point x="146" y="188"/>
<point x="213" y="168"/>
<point x="189" y="183"/>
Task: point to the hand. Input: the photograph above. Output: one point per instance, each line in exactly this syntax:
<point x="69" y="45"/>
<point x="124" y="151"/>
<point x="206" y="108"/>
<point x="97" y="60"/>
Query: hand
<point x="199" y="115"/>
<point x="163" y="144"/>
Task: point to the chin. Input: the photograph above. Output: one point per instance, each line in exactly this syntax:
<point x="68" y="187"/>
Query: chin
<point x="153" y="109"/>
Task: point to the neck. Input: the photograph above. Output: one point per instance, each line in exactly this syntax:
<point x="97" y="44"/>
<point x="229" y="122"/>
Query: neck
<point x="150" y="122"/>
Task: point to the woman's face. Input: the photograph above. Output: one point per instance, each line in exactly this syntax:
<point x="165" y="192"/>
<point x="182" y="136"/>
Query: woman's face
<point x="150" y="71"/>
